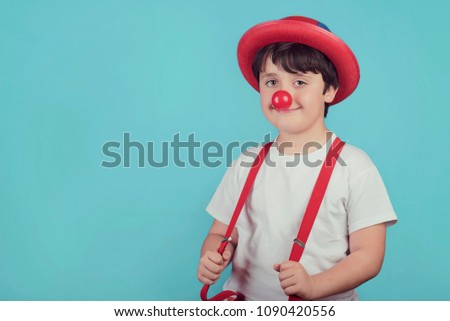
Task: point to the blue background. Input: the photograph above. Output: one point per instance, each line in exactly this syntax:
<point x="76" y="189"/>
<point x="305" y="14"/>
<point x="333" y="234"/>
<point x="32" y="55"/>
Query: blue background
<point x="77" y="74"/>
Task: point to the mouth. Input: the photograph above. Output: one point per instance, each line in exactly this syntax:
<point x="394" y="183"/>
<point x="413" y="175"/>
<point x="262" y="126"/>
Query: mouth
<point x="284" y="111"/>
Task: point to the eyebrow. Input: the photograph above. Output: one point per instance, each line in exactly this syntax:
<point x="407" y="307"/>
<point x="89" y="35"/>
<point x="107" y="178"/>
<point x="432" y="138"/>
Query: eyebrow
<point x="272" y="74"/>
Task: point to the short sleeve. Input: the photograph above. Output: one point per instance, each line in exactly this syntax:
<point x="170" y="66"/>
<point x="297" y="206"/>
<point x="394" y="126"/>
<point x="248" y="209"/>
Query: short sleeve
<point x="221" y="205"/>
<point x="368" y="201"/>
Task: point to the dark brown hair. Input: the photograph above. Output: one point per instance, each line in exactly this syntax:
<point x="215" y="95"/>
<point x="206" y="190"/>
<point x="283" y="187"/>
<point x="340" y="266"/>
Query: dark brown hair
<point x="295" y="57"/>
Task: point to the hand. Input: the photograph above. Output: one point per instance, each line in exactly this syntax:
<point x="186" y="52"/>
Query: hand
<point x="212" y="264"/>
<point x="295" y="280"/>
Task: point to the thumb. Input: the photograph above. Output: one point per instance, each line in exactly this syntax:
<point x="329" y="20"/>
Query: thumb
<point x="276" y="267"/>
<point x="226" y="255"/>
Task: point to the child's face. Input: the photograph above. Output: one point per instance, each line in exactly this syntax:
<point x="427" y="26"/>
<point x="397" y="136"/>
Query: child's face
<point x="308" y="100"/>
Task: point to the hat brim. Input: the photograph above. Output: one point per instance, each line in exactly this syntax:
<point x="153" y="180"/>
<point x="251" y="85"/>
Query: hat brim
<point x="306" y="33"/>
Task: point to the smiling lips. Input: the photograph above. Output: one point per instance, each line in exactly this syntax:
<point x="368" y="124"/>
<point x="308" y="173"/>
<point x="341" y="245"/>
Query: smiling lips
<point x="284" y="111"/>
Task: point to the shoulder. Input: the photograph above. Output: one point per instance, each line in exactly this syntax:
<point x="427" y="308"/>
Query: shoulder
<point x="355" y="155"/>
<point x="367" y="201"/>
<point x="356" y="161"/>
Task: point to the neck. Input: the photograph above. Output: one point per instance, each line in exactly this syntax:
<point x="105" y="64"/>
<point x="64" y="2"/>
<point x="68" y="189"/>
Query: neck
<point x="302" y="143"/>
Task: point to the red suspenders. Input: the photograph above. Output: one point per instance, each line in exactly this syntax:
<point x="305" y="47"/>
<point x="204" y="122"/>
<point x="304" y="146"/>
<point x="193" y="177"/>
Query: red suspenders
<point x="308" y="219"/>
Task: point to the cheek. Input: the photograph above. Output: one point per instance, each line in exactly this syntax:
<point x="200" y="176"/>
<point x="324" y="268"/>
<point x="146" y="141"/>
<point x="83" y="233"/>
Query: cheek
<point x="265" y="99"/>
<point x="301" y="99"/>
<point x="309" y="101"/>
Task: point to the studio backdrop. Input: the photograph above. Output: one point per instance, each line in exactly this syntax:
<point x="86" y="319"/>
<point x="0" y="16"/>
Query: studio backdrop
<point x="119" y="118"/>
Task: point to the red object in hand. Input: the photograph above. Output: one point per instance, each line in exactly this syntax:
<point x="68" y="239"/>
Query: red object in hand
<point x="281" y="99"/>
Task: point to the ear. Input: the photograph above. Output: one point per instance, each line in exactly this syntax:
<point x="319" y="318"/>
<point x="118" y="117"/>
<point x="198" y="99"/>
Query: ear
<point x="330" y="94"/>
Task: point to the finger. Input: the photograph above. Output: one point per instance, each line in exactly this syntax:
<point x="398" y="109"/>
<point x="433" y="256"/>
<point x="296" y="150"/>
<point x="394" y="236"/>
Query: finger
<point x="286" y="274"/>
<point x="226" y="256"/>
<point x="208" y="275"/>
<point x="205" y="280"/>
<point x="207" y="263"/>
<point x="286" y="283"/>
<point x="287" y="265"/>
<point x="213" y="267"/>
<point x="214" y="257"/>
<point x="290" y="290"/>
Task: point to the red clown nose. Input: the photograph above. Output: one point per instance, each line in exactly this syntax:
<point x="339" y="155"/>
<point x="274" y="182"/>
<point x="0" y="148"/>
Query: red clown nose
<point x="281" y="100"/>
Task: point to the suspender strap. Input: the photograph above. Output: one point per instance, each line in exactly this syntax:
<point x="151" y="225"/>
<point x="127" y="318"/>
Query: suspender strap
<point x="314" y="203"/>
<point x="259" y="160"/>
<point x="308" y="219"/>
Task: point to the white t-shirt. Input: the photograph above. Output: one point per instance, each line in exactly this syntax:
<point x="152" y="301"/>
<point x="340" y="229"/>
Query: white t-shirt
<point x="356" y="198"/>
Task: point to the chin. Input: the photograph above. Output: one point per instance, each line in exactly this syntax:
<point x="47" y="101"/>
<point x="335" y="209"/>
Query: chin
<point x="293" y="131"/>
<point x="288" y="127"/>
<point x="290" y="130"/>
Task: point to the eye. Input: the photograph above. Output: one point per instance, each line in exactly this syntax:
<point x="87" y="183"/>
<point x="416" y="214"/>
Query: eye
<point x="271" y="83"/>
<point x="299" y="83"/>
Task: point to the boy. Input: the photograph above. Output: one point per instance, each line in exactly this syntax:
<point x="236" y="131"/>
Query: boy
<point x="302" y="59"/>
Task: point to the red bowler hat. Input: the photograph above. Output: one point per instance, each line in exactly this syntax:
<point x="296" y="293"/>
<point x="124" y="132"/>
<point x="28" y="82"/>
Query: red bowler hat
<point x="306" y="31"/>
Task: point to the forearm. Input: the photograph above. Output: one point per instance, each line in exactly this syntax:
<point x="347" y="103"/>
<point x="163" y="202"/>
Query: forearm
<point x="212" y="242"/>
<point x="216" y="235"/>
<point x="363" y="263"/>
<point x="348" y="274"/>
